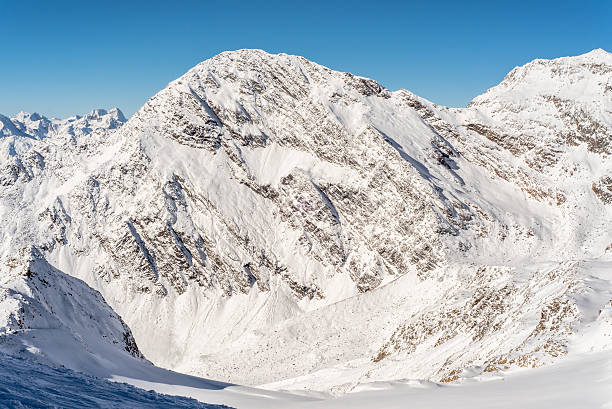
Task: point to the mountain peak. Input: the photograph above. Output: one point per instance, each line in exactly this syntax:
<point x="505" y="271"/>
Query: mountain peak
<point x="8" y="128"/>
<point x="117" y="113"/>
<point x="100" y="113"/>
<point x="584" y="77"/>
<point x="34" y="116"/>
<point x="238" y="88"/>
<point x="598" y="52"/>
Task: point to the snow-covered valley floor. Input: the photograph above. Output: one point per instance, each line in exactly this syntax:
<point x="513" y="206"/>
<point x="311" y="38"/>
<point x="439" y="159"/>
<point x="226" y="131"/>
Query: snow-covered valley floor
<point x="583" y="381"/>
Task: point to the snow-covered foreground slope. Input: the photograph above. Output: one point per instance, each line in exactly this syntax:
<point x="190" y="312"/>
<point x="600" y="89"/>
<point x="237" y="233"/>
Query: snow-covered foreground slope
<point x="264" y="220"/>
<point x="582" y="382"/>
<point x="29" y="384"/>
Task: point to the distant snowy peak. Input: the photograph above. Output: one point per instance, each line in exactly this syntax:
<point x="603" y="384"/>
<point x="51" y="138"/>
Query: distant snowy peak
<point x="547" y="111"/>
<point x="39" y="126"/>
<point x="8" y="128"/>
<point x="30" y="141"/>
<point x="585" y="78"/>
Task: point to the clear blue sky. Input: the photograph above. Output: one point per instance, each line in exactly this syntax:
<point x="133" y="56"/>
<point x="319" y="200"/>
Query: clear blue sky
<point x="65" y="57"/>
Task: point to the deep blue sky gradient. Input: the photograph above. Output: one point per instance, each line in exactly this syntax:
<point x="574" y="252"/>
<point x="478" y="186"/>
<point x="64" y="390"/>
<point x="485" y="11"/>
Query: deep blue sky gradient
<point x="63" y="57"/>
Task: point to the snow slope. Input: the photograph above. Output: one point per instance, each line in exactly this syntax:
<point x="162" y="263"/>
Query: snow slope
<point x="28" y="384"/>
<point x="581" y="382"/>
<point x="264" y="220"/>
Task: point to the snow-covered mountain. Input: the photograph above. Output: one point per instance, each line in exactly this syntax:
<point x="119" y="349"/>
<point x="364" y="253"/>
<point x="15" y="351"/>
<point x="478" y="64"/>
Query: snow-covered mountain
<point x="266" y="220"/>
<point x="39" y="126"/>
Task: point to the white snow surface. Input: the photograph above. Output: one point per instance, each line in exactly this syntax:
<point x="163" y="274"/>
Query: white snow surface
<point x="30" y="384"/>
<point x="579" y="382"/>
<point x="266" y="221"/>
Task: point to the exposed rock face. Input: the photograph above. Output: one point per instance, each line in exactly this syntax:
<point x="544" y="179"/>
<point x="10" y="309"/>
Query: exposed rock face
<point x="36" y="297"/>
<point x="264" y="217"/>
<point x="603" y="189"/>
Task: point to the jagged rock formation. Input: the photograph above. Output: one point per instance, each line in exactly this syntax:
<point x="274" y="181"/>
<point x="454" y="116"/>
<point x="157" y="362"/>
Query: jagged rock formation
<point x="264" y="218"/>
